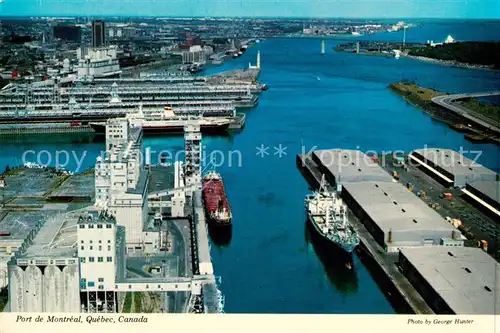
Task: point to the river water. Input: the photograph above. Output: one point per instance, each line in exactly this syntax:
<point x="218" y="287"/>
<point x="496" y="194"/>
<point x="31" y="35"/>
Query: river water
<point x="337" y="100"/>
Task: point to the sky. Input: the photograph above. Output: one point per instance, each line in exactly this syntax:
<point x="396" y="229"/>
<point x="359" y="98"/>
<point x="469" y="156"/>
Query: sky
<point x="465" y="9"/>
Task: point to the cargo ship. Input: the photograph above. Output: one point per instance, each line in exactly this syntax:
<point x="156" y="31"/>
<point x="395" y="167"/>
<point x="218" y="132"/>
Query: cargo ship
<point x="167" y="121"/>
<point x="215" y="200"/>
<point x="327" y="213"/>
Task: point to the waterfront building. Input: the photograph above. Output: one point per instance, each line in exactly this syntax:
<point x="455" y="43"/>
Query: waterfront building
<point x="192" y="139"/>
<point x="453" y="280"/>
<point x="121" y="181"/>
<point x="69" y="263"/>
<point x="450" y="167"/>
<point x="195" y="54"/>
<point x="98" y="62"/>
<point x="76" y="261"/>
<point x="394" y="216"/>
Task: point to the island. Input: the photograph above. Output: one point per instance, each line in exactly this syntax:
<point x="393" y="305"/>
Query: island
<point x="422" y="98"/>
<point x="484" y="54"/>
<point x="461" y="54"/>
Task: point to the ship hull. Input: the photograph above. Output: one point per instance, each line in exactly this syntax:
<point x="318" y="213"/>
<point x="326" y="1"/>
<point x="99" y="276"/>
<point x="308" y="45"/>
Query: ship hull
<point x="214" y="197"/>
<point x="163" y="130"/>
<point x="345" y="250"/>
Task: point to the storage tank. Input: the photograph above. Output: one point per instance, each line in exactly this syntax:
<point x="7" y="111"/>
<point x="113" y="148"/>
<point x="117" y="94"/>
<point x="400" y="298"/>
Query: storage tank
<point x="33" y="289"/>
<point x="53" y="290"/>
<point x="71" y="289"/>
<point x="16" y="289"/>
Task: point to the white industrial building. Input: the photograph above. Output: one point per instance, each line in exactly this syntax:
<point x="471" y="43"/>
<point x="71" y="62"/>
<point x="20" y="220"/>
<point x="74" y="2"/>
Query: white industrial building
<point x="121" y="181"/>
<point x="76" y="262"/>
<point x="65" y="262"/>
<point x="195" y="54"/>
<point x="98" y="62"/>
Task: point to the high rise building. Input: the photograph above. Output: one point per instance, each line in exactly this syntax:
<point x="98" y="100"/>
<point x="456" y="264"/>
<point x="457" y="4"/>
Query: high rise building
<point x="98" y="33"/>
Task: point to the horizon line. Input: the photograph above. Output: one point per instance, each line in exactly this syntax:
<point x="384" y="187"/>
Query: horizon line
<point x="249" y="17"/>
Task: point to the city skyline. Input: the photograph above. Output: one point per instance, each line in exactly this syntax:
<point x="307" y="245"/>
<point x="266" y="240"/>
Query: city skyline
<point x="412" y="9"/>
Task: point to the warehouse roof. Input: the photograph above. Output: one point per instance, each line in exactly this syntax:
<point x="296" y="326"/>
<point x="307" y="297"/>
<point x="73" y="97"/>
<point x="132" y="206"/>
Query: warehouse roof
<point x="491" y="189"/>
<point x="348" y="166"/>
<point x="392" y="207"/>
<point x="464" y="277"/>
<point x="454" y="163"/>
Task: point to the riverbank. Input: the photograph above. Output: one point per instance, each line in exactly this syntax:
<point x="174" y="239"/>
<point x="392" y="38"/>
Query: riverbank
<point x="452" y="63"/>
<point x="422" y="98"/>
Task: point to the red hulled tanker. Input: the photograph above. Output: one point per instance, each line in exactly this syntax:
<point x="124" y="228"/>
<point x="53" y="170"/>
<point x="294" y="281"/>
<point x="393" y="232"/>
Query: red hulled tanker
<point x="215" y="199"/>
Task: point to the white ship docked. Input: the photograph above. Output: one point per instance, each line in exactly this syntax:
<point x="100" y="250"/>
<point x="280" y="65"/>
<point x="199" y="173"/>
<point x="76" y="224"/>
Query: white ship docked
<point x="166" y="121"/>
<point x="328" y="215"/>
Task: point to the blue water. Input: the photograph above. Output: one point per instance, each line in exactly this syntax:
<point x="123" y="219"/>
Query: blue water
<point x="332" y="101"/>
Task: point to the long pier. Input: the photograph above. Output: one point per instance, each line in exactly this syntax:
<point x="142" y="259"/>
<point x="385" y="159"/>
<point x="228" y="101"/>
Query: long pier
<point x="398" y="289"/>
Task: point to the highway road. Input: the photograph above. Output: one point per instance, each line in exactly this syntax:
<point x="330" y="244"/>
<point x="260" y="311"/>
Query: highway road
<point x="447" y="101"/>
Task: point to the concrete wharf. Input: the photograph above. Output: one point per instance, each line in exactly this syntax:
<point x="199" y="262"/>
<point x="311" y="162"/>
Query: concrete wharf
<point x="398" y="289"/>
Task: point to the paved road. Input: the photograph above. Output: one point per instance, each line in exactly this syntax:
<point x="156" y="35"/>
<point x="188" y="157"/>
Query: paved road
<point x="447" y="101"/>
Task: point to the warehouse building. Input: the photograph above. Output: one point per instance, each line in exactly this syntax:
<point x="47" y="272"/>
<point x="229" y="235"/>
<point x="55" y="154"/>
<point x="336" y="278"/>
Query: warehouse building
<point x="486" y="193"/>
<point x="396" y="218"/>
<point x="450" y="167"/>
<point x="348" y="166"/>
<point x="454" y="280"/>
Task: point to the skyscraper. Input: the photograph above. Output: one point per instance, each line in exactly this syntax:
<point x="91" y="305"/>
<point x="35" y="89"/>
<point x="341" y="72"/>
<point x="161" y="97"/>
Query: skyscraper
<point x="98" y="33"/>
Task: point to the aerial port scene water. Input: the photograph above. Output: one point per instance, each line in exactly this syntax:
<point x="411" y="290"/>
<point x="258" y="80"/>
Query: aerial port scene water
<point x="249" y="165"/>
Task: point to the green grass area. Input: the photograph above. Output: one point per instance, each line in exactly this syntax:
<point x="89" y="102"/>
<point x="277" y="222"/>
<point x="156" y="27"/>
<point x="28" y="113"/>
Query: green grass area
<point x="127" y="304"/>
<point x="415" y="94"/>
<point x="487" y="110"/>
<point x="137" y="302"/>
<point x="478" y="53"/>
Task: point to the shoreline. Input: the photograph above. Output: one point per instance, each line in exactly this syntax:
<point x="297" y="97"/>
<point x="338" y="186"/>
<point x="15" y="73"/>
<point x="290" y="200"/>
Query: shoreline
<point x="452" y="63"/>
<point x="437" y="113"/>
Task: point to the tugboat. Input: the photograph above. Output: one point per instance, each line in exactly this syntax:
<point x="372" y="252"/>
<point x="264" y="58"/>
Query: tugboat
<point x="215" y="200"/>
<point x="327" y="213"/>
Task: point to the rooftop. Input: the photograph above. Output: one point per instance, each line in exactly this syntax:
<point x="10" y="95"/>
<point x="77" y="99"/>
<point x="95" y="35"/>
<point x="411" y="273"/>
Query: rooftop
<point x="161" y="177"/>
<point x="392" y="207"/>
<point x="19" y="224"/>
<point x="348" y="166"/>
<point x="464" y="277"/>
<point x="56" y="238"/>
<point x="142" y="183"/>
<point x="58" y="235"/>
<point x="454" y="163"/>
<point x="491" y="189"/>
